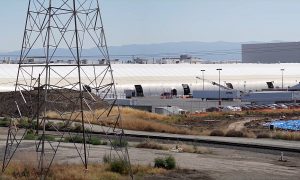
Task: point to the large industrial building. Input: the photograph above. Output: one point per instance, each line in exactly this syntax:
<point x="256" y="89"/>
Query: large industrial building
<point x="155" y="79"/>
<point x="284" y="52"/>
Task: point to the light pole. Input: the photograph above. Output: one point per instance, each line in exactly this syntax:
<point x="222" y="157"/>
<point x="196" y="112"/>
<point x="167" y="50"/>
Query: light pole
<point x="219" y="69"/>
<point x="282" y="78"/>
<point x="202" y="70"/>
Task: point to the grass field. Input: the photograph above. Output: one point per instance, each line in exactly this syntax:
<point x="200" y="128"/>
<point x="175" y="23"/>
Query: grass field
<point x="76" y="172"/>
<point x="210" y="123"/>
<point x="131" y="120"/>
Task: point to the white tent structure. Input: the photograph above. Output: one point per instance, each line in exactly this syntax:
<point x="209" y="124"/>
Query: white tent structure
<point x="158" y="78"/>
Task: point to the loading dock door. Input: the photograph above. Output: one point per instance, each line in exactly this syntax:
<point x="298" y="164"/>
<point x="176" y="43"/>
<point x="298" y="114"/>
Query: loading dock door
<point x="174" y="92"/>
<point x="270" y="85"/>
<point x="139" y="90"/>
<point x="186" y="89"/>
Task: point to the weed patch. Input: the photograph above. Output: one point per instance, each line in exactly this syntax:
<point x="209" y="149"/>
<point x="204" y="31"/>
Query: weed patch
<point x="217" y="133"/>
<point x="168" y="162"/>
<point x="234" y="133"/>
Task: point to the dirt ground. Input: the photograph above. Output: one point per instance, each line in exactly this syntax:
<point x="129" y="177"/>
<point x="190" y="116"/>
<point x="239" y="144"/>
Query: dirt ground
<point x="220" y="164"/>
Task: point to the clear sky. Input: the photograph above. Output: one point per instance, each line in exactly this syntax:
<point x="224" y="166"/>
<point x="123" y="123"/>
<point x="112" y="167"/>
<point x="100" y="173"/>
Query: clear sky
<point x="155" y="21"/>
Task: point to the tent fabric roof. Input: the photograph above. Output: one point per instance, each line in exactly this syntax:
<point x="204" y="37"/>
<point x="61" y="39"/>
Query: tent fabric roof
<point x="253" y="76"/>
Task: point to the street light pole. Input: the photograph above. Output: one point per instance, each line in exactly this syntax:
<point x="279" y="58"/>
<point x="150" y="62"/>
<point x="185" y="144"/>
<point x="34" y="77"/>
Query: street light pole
<point x="282" y="78"/>
<point x="219" y="69"/>
<point x="203" y="78"/>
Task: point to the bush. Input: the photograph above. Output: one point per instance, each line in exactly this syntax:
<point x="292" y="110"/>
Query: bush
<point x="30" y="136"/>
<point x="5" y="122"/>
<point x="234" y="133"/>
<point x="79" y="139"/>
<point x="94" y="141"/>
<point x="151" y="145"/>
<point x="166" y="163"/>
<point x="217" y="133"/>
<point x="118" y="166"/>
<point x="170" y="162"/>
<point x="119" y="143"/>
<point x="24" y="123"/>
<point x="47" y="138"/>
<point x="293" y="136"/>
<point x="60" y="125"/>
<point x="263" y="135"/>
<point x="159" y="163"/>
<point x="49" y="125"/>
<point x="75" y="139"/>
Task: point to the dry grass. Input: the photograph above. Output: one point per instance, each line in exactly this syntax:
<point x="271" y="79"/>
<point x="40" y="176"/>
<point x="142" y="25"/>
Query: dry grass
<point x="129" y="112"/>
<point x="195" y="149"/>
<point x="259" y="112"/>
<point x="142" y="170"/>
<point x="76" y="172"/>
<point x="273" y="112"/>
<point x="234" y="133"/>
<point x="152" y="126"/>
<point x="292" y="136"/>
<point x="217" y="132"/>
<point x="150" y="144"/>
<point x="263" y="135"/>
<point x="131" y="119"/>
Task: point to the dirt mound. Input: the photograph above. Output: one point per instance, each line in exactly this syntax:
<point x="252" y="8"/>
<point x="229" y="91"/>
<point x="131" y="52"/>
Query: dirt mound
<point x="59" y="100"/>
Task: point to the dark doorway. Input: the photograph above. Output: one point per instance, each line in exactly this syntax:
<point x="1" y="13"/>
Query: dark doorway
<point x="139" y="90"/>
<point x="270" y="85"/>
<point x="186" y="89"/>
<point x="174" y="92"/>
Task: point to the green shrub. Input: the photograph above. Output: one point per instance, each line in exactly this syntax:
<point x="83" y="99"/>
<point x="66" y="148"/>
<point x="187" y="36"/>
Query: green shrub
<point x="59" y="125"/>
<point x="159" y="163"/>
<point x="118" y="166"/>
<point x="119" y="143"/>
<point x="168" y="162"/>
<point x="5" y="122"/>
<point x="34" y="125"/>
<point x="88" y="130"/>
<point x="217" y="133"/>
<point x="24" y="123"/>
<point x="79" y="139"/>
<point x="49" y="125"/>
<point x="47" y="138"/>
<point x="234" y="133"/>
<point x="75" y="139"/>
<point x="30" y="136"/>
<point x="94" y="141"/>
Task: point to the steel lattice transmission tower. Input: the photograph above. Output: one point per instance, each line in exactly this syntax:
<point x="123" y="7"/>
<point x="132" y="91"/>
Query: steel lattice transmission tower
<point x="76" y="92"/>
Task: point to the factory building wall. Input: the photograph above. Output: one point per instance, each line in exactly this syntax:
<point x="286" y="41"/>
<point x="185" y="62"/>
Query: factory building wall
<point x="287" y="52"/>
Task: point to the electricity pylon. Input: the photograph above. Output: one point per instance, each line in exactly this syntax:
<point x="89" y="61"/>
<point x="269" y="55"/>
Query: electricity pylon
<point x="77" y="91"/>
